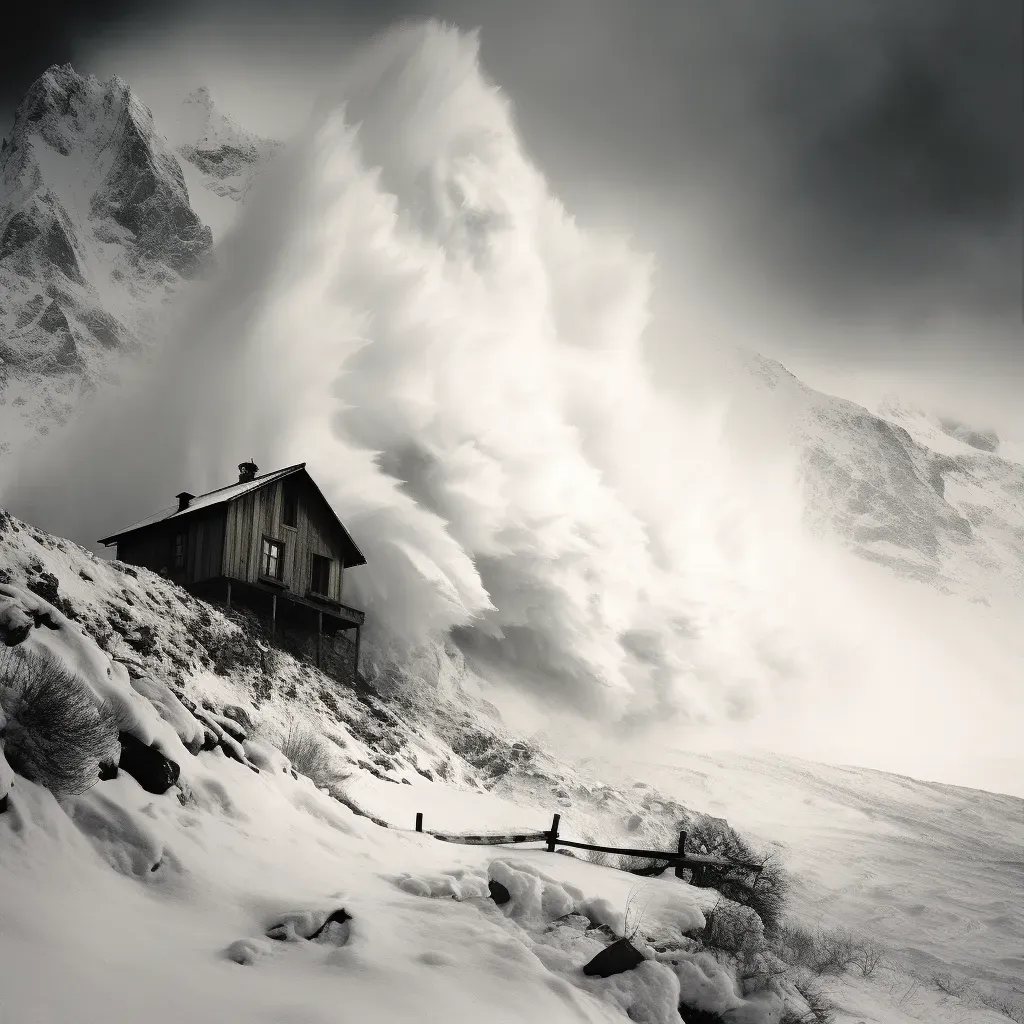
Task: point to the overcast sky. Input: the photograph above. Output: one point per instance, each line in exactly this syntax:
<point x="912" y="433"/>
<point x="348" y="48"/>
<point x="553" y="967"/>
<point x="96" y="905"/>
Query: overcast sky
<point x="835" y="184"/>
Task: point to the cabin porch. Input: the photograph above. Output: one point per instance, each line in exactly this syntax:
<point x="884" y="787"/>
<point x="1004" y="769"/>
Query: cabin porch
<point x="324" y="631"/>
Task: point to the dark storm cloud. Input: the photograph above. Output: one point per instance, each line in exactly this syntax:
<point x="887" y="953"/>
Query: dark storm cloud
<point x="50" y="32"/>
<point x="858" y="154"/>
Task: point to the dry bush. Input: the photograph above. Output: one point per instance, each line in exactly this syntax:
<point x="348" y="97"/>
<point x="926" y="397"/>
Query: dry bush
<point x="821" y="1009"/>
<point x="951" y="984"/>
<point x="825" y="952"/>
<point x="764" y="892"/>
<point x="869" y="956"/>
<point x="637" y="901"/>
<point x="310" y="755"/>
<point x="1004" y="1004"/>
<point x="57" y="735"/>
<point x="726" y="927"/>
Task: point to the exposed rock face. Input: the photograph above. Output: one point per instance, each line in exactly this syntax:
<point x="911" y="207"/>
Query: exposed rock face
<point x="150" y="769"/>
<point x="931" y="500"/>
<point x="227" y="156"/>
<point x="96" y="232"/>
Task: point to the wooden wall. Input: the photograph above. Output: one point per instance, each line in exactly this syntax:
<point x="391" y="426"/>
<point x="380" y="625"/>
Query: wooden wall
<point x="204" y="546"/>
<point x="258" y="514"/>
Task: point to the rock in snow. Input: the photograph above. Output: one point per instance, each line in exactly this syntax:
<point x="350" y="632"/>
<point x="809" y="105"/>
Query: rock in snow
<point x="148" y="767"/>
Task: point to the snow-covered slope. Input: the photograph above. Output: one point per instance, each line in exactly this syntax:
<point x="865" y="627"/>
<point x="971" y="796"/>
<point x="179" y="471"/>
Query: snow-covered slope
<point x="101" y="225"/>
<point x="941" y="504"/>
<point x="226" y="155"/>
<point x="96" y="231"/>
<point x="184" y="886"/>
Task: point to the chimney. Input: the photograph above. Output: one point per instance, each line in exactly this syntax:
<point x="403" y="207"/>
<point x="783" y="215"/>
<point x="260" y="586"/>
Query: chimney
<point x="184" y="500"/>
<point x="247" y="472"/>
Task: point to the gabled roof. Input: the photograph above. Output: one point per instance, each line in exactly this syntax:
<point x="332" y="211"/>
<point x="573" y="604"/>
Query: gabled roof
<point x="223" y="495"/>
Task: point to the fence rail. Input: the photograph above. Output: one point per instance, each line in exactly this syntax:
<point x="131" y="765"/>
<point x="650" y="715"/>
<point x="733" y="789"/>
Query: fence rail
<point x="698" y="863"/>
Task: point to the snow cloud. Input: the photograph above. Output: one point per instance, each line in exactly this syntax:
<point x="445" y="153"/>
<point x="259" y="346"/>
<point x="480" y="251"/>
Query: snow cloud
<point x="408" y="308"/>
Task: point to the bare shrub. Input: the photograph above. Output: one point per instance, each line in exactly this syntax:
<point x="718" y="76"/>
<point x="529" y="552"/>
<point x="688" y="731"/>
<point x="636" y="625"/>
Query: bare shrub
<point x="310" y="755"/>
<point x="57" y="735"/>
<point x="637" y="903"/>
<point x="821" y="1009"/>
<point x="908" y="994"/>
<point x="822" y="951"/>
<point x="951" y="984"/>
<point x="1004" y="1004"/>
<point x="869" y="956"/>
<point x="764" y="892"/>
<point x="725" y="928"/>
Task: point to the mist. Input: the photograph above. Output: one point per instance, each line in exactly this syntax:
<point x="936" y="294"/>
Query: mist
<point x="407" y="307"/>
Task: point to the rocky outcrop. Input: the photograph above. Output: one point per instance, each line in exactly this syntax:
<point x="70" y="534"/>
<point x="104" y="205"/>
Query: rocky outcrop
<point x="154" y="772"/>
<point x="97" y="232"/>
<point x="226" y="155"/>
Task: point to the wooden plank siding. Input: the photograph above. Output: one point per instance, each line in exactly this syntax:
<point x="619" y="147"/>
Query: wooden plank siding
<point x="204" y="546"/>
<point x="257" y="514"/>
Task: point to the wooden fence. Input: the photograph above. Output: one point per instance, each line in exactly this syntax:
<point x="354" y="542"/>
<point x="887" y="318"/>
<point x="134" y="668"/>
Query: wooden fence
<point x="700" y="865"/>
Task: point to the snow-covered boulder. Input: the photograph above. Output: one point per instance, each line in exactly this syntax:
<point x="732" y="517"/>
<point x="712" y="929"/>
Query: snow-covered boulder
<point x="41" y="630"/>
<point x="189" y="729"/>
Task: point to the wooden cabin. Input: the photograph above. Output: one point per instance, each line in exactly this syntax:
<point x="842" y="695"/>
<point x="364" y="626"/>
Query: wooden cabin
<point x="271" y="542"/>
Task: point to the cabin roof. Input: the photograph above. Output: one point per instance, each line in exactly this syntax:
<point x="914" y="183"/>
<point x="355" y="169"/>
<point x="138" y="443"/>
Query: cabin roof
<point x="223" y="495"/>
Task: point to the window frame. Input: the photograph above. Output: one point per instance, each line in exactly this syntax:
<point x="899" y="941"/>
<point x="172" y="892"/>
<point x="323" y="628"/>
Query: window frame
<point x="176" y="565"/>
<point x="326" y="592"/>
<point x="267" y="543"/>
<point x="290" y="497"/>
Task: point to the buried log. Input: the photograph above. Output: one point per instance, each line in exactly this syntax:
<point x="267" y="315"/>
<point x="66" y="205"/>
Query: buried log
<point x="617" y="958"/>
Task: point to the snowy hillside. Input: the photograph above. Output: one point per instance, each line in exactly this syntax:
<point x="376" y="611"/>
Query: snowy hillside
<point x="935" y="502"/>
<point x="205" y="893"/>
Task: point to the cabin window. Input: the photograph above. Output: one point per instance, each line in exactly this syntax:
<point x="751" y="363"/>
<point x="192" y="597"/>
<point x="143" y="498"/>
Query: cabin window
<point x="290" y="505"/>
<point x="272" y="563"/>
<point x="178" y="559"/>
<point x="321" y="581"/>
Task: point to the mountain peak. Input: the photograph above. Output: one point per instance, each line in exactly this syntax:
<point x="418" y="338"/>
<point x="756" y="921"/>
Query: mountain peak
<point x="225" y="154"/>
<point x="94" y="217"/>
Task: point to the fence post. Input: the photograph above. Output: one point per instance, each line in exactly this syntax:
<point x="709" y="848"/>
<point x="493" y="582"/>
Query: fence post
<point x="419" y="821"/>
<point x="553" y="834"/>
<point x="682" y="850"/>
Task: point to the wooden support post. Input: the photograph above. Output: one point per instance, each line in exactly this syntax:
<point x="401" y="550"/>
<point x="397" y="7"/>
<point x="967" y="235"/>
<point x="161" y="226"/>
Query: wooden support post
<point x="229" y="595"/>
<point x="682" y="850"/>
<point x="355" y="667"/>
<point x="319" y="637"/>
<point x="553" y="834"/>
<point x="419" y="821"/>
<point x="273" y="614"/>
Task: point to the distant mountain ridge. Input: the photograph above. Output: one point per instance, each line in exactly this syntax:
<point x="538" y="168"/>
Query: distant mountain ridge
<point x="98" y="229"/>
<point x="930" y="499"/>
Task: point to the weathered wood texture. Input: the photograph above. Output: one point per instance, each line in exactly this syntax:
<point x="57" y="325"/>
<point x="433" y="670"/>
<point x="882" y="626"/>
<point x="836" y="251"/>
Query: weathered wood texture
<point x="154" y="547"/>
<point x="258" y="514"/>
